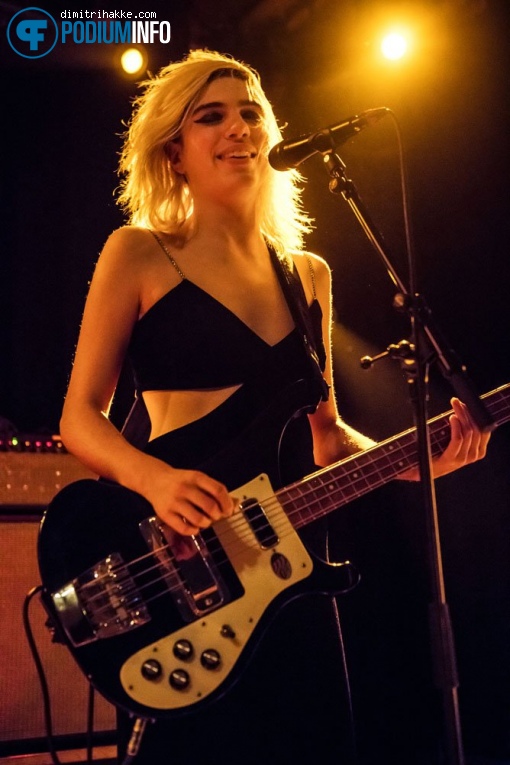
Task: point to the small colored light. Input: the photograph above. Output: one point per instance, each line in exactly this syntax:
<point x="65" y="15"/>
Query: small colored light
<point x="132" y="61"/>
<point x="394" y="46"/>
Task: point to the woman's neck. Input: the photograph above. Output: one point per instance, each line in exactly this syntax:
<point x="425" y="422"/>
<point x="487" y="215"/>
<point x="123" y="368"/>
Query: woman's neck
<point x="227" y="230"/>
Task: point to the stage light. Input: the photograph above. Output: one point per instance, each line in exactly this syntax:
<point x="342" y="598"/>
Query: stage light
<point x="133" y="60"/>
<point x="394" y="46"/>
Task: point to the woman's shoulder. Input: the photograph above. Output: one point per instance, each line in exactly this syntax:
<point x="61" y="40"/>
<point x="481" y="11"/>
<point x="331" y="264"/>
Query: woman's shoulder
<point x="307" y="259"/>
<point x="138" y="261"/>
<point x="128" y="248"/>
<point x="313" y="270"/>
<point x="130" y="240"/>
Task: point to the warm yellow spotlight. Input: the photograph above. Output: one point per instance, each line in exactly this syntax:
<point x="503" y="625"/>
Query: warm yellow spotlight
<point x="132" y="60"/>
<point x="394" y="46"/>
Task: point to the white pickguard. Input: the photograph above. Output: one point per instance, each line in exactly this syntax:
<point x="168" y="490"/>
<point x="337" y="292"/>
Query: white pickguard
<point x="261" y="585"/>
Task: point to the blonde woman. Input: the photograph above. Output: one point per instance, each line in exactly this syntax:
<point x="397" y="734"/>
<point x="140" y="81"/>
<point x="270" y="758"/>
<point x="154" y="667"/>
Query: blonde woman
<point x="191" y="293"/>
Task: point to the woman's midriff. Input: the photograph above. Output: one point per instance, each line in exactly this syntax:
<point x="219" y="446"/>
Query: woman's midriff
<point x="169" y="410"/>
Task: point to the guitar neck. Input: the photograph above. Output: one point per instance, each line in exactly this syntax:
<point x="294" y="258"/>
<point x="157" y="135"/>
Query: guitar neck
<point x="330" y="488"/>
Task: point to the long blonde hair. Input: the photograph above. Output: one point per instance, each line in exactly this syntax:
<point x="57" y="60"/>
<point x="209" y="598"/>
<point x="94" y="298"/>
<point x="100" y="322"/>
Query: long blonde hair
<point x="155" y="196"/>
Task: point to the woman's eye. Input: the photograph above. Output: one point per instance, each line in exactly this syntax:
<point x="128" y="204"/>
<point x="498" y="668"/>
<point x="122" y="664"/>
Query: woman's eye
<point x="210" y="117"/>
<point x="252" y="116"/>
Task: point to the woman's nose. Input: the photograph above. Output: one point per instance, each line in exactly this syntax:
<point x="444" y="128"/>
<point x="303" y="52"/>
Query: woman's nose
<point x="237" y="127"/>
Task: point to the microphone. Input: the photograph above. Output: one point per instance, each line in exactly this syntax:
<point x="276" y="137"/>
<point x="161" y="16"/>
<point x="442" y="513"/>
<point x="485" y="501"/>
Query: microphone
<point x="288" y="154"/>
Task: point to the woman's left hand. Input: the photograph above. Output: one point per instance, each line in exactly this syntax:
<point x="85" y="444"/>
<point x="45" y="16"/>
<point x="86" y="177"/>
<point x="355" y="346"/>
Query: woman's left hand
<point x="467" y="444"/>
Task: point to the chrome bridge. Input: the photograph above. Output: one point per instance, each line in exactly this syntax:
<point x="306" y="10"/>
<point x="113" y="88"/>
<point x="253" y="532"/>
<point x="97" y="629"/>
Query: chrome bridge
<point x="191" y="576"/>
<point x="100" y="603"/>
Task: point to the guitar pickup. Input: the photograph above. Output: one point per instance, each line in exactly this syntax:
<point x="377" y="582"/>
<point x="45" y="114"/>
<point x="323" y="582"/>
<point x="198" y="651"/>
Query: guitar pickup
<point x="259" y="524"/>
<point x="190" y="574"/>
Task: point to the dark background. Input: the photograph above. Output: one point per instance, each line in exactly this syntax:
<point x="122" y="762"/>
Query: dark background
<point x="60" y="136"/>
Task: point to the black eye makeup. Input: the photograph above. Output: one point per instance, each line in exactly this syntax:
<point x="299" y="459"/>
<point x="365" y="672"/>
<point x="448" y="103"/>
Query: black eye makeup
<point x="214" y="113"/>
<point x="209" y="118"/>
<point x="251" y="115"/>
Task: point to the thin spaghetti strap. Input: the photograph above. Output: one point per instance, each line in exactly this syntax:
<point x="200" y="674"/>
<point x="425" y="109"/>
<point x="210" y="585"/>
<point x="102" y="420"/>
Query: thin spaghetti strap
<point x="312" y="274"/>
<point x="167" y="253"/>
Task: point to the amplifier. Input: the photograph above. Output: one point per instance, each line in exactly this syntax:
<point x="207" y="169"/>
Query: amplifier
<point x="34" y="468"/>
<point x="22" y="721"/>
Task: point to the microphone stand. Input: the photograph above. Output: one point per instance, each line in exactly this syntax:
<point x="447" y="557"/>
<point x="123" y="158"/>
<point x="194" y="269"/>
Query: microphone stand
<point x="428" y="343"/>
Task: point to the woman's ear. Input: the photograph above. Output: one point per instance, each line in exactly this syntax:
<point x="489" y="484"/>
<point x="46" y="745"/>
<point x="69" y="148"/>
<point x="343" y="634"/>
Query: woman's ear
<point x="173" y="152"/>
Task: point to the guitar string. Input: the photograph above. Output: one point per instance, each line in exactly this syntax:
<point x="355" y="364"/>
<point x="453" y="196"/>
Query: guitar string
<point x="271" y="502"/>
<point x="137" y="590"/>
<point x="394" y="457"/>
<point x="174" y="575"/>
<point x="280" y="528"/>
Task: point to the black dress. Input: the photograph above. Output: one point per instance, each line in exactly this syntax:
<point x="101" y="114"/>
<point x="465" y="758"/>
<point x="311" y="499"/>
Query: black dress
<point x="291" y="703"/>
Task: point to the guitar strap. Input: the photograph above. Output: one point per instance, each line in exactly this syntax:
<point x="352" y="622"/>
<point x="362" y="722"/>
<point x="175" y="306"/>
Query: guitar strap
<point x="294" y="293"/>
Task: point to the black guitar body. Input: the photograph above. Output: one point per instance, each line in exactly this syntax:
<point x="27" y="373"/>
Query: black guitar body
<point x="186" y="648"/>
<point x="161" y="623"/>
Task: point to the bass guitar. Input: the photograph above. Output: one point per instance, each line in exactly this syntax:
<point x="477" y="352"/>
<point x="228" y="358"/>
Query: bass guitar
<point x="161" y="623"/>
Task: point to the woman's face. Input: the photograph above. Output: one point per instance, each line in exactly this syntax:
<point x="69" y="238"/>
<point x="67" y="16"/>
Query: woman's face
<point x="223" y="141"/>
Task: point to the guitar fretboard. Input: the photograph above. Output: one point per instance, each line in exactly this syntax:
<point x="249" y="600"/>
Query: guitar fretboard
<point x="328" y="489"/>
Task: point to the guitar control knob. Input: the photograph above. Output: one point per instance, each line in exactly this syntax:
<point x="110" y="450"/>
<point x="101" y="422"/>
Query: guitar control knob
<point x="179" y="679"/>
<point x="183" y="649"/>
<point x="151" y="669"/>
<point x="210" y="659"/>
<point x="227" y="631"/>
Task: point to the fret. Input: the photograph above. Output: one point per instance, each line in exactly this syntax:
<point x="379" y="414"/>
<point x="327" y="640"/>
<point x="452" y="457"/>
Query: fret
<point x="297" y="495"/>
<point x="349" y="479"/>
<point x="363" y="459"/>
<point x="362" y="481"/>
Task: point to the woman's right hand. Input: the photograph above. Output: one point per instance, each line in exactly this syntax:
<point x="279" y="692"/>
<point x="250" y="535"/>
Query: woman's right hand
<point x="187" y="500"/>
